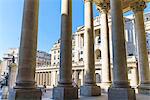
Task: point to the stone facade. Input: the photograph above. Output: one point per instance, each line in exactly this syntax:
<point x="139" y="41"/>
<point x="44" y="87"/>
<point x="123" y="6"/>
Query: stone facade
<point x="42" y="59"/>
<point x="119" y="87"/>
<point x="77" y="52"/>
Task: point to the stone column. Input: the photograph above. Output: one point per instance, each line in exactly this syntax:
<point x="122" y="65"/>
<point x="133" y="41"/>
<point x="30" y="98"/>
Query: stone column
<point x="38" y="81"/>
<point x="89" y="88"/>
<point x="64" y="89"/>
<point x="106" y="74"/>
<point x="47" y="78"/>
<point x="134" y="79"/>
<point x="50" y="83"/>
<point x="54" y="78"/>
<point x="76" y="76"/>
<point x="25" y="84"/>
<point x="12" y="75"/>
<point x="36" y="77"/>
<point x="40" y="78"/>
<point x="143" y="63"/>
<point x="120" y="90"/>
<point x="82" y="77"/>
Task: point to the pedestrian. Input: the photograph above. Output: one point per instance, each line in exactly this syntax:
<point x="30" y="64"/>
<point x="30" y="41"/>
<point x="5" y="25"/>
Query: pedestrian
<point x="74" y="83"/>
<point x="44" y="86"/>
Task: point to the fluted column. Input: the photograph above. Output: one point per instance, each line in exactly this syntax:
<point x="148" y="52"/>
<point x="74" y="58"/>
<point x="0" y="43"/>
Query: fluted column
<point x="65" y="90"/>
<point x="106" y="75"/>
<point x="120" y="89"/>
<point x="138" y="8"/>
<point x="25" y="84"/>
<point x="89" y="88"/>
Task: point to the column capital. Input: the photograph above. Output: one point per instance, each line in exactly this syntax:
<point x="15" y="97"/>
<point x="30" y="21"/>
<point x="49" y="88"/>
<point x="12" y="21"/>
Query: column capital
<point x="103" y="7"/>
<point x="138" y="6"/>
<point x="88" y="0"/>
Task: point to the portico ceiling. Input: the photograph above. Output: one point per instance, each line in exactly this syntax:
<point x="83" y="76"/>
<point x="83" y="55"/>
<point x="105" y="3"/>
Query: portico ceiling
<point x="126" y="3"/>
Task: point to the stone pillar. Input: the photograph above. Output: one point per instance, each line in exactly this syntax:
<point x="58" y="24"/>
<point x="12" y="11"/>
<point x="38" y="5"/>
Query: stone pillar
<point x="54" y="78"/>
<point x="106" y="73"/>
<point x="40" y="78"/>
<point x="134" y="79"/>
<point x="64" y="89"/>
<point x="120" y="89"/>
<point x="82" y="77"/>
<point x="36" y="77"/>
<point x="143" y="63"/>
<point x="76" y="76"/>
<point x="12" y="75"/>
<point x="38" y="81"/>
<point x="89" y="88"/>
<point x="25" y="84"/>
<point x="50" y="83"/>
<point x="47" y="78"/>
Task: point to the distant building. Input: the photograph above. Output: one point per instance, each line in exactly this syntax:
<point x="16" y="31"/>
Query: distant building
<point x="42" y="59"/>
<point x="55" y="52"/>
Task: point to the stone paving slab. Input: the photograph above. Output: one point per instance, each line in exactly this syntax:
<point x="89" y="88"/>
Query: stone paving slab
<point x="48" y="95"/>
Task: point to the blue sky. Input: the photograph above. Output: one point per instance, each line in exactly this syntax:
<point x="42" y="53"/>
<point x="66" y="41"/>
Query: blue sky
<point x="49" y="22"/>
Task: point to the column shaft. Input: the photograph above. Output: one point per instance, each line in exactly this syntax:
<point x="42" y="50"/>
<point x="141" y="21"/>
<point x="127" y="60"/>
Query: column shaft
<point x="89" y="61"/>
<point x="143" y="63"/>
<point x="120" y="89"/>
<point x="89" y="87"/>
<point x="65" y="90"/>
<point x="25" y="84"/>
<point x="28" y="45"/>
<point x="76" y="76"/>
<point x="118" y="39"/>
<point x="66" y="43"/>
<point x="106" y="78"/>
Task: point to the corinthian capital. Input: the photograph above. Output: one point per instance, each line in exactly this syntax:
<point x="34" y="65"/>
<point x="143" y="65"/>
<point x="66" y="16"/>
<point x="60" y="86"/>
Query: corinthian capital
<point x="103" y="7"/>
<point x="138" y="6"/>
<point x="88" y="0"/>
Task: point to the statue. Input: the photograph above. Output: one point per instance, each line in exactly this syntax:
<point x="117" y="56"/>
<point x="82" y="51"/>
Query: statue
<point x="13" y="59"/>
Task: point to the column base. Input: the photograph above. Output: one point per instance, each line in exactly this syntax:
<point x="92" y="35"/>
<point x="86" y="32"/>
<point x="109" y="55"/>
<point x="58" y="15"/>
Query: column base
<point x="121" y="94"/>
<point x="144" y="89"/>
<point x="90" y="90"/>
<point x="65" y="93"/>
<point x="25" y="94"/>
<point x="105" y="86"/>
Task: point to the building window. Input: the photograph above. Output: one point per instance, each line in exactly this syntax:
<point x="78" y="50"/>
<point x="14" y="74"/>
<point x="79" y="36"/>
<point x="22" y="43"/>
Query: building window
<point x="81" y="59"/>
<point x="81" y="52"/>
<point x="130" y="54"/>
<point x="99" y="40"/>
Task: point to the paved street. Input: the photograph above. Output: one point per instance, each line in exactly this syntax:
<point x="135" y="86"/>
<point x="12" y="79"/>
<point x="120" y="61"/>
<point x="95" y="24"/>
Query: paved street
<point x="48" y="95"/>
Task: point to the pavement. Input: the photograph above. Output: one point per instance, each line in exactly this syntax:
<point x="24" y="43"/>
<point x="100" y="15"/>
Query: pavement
<point x="48" y="96"/>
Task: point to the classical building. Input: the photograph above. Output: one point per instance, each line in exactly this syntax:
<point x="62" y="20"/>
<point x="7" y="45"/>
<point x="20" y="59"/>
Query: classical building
<point x="78" y="53"/>
<point x="118" y="85"/>
<point x="42" y="59"/>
